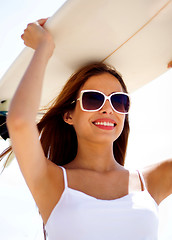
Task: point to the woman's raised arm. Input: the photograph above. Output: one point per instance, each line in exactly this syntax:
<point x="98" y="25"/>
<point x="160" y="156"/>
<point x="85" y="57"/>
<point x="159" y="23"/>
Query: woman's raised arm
<point x="25" y="103"/>
<point x="159" y="180"/>
<point x="21" y="120"/>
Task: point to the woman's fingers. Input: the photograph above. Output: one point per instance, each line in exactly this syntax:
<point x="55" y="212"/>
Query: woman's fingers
<point x="33" y="26"/>
<point x="42" y="21"/>
<point x="170" y="64"/>
<point x="35" y="35"/>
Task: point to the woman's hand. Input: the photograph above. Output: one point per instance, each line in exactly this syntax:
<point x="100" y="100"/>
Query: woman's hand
<point x="170" y="64"/>
<point x="35" y="36"/>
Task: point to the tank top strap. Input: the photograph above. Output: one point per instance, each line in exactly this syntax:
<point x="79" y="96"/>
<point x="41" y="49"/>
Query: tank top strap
<point x="65" y="176"/>
<point x="142" y="179"/>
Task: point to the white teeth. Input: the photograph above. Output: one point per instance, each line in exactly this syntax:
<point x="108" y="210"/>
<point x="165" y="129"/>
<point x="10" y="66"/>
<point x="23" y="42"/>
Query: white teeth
<point x="105" y="124"/>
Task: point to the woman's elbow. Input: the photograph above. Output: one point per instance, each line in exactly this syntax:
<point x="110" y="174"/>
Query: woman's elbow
<point x="15" y="122"/>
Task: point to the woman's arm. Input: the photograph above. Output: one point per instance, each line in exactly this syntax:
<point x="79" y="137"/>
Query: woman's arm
<point x="21" y="122"/>
<point x="158" y="178"/>
<point x="21" y="119"/>
<point x="25" y="103"/>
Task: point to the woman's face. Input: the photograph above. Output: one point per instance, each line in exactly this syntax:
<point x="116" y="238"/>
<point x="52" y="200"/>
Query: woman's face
<point x="92" y="126"/>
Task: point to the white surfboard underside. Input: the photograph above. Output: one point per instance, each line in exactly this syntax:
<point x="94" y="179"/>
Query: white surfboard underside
<point x="134" y="36"/>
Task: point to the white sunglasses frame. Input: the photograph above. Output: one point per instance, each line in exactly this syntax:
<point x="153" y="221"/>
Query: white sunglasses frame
<point x="105" y="98"/>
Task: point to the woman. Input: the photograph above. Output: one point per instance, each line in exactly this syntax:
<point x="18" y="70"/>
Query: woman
<point x="75" y="170"/>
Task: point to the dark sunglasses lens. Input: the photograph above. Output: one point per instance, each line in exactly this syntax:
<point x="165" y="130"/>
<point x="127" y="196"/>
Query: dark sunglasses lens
<point x="92" y="100"/>
<point x="120" y="102"/>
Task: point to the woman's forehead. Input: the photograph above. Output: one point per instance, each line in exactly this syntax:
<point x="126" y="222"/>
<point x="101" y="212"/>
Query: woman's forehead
<point x="104" y="82"/>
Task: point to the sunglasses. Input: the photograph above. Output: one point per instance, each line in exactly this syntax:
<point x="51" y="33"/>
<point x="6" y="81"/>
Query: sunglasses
<point x="93" y="100"/>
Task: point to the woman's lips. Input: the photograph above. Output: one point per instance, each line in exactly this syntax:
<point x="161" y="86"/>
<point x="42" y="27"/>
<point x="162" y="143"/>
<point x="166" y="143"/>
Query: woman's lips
<point x="106" y="124"/>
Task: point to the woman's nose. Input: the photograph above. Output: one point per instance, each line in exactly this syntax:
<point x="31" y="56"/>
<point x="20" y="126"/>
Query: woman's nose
<point x="106" y="109"/>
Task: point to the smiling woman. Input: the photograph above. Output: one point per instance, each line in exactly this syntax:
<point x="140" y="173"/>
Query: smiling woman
<point x="68" y="149"/>
<point x="73" y="160"/>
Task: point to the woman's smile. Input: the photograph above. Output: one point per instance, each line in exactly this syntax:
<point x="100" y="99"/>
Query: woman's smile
<point x="105" y="123"/>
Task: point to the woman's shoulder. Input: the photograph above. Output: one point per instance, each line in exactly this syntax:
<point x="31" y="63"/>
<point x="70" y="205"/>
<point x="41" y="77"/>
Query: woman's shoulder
<point x="158" y="179"/>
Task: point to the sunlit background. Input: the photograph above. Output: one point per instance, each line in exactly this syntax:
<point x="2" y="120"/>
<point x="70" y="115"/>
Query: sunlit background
<point x="149" y="141"/>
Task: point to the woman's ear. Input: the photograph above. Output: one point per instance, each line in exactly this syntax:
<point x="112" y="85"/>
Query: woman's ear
<point x="68" y="118"/>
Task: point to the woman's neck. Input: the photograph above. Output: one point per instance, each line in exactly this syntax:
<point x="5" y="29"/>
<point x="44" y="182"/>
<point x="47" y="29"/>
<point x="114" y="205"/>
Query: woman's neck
<point x="95" y="156"/>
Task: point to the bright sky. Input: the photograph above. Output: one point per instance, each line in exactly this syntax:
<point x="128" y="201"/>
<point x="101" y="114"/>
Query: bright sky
<point x="149" y="141"/>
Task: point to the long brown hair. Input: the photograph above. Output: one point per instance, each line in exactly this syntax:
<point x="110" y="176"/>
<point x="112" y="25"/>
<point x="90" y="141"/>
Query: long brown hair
<point x="58" y="138"/>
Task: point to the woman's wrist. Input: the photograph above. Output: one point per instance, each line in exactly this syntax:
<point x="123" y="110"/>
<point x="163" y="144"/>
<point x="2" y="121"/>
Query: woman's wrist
<point x="47" y="47"/>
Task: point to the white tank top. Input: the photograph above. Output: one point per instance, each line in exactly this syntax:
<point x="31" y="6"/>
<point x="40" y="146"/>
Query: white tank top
<point x="78" y="216"/>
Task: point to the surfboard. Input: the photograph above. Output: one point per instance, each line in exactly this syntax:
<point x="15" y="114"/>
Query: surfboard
<point x="133" y="36"/>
